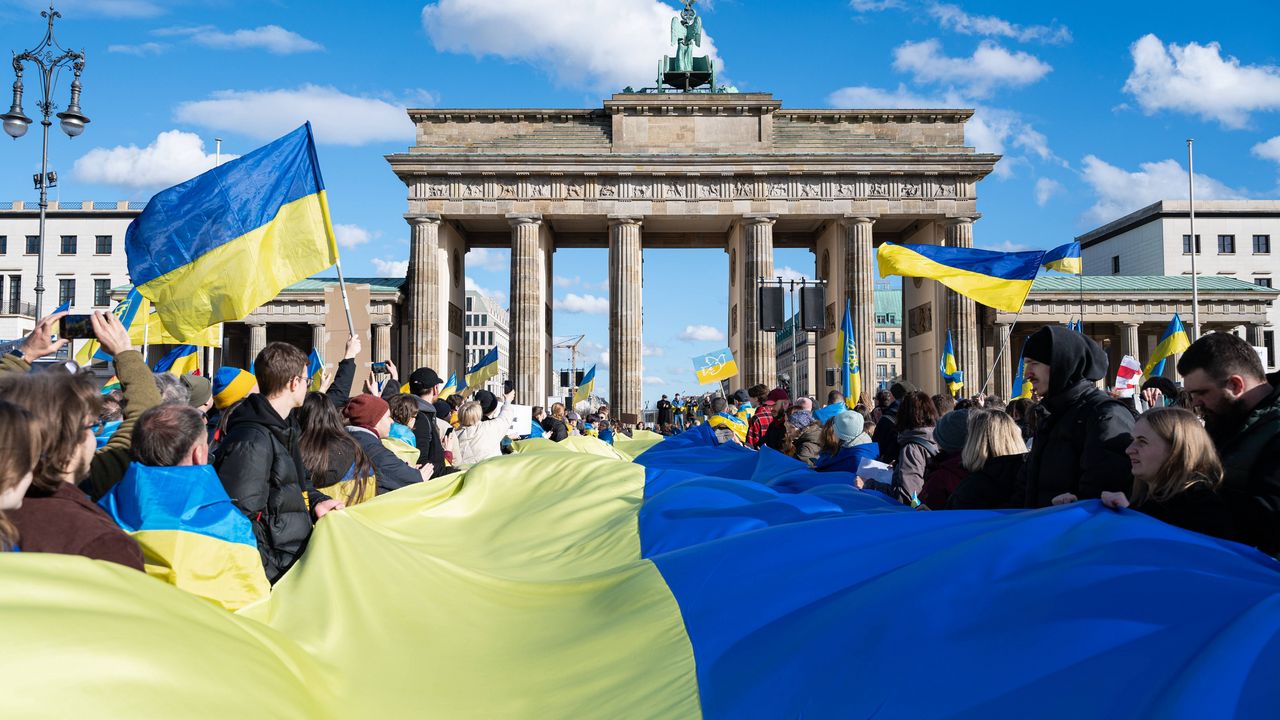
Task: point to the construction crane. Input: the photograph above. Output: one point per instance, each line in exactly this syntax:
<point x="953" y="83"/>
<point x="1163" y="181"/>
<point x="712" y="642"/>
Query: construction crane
<point x="571" y="343"/>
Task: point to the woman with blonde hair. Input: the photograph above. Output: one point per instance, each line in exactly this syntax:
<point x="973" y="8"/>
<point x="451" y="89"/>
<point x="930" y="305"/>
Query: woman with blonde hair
<point x="20" y="438"/>
<point x="993" y="454"/>
<point x="1176" y="473"/>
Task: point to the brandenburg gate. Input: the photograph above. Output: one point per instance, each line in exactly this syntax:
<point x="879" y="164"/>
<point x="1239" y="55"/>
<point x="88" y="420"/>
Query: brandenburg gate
<point x="684" y="170"/>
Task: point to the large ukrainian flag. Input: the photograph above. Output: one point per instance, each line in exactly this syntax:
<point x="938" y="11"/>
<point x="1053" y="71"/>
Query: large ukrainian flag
<point x="850" y="372"/>
<point x="997" y="279"/>
<point x="217" y="246"/>
<point x="484" y="369"/>
<point x="588" y="384"/>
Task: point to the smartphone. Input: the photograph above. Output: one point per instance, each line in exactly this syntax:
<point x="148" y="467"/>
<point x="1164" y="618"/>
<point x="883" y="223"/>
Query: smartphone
<point x="378" y="367"/>
<point x="75" y="327"/>
<point x="508" y="387"/>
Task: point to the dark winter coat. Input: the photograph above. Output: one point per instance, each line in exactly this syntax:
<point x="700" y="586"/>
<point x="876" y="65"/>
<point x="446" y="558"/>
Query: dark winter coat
<point x="886" y="433"/>
<point x="392" y="472"/>
<point x="1197" y="508"/>
<point x="915" y="447"/>
<point x="942" y="475"/>
<point x="808" y="443"/>
<point x="665" y="414"/>
<point x="261" y="468"/>
<point x="996" y="485"/>
<point x="339" y="391"/>
<point x="1250" y="453"/>
<point x="67" y="522"/>
<point x="1080" y="447"/>
<point x="554" y="429"/>
<point x="429" y="443"/>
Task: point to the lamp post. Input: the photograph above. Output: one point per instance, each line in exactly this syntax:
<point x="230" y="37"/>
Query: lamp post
<point x="49" y="58"/>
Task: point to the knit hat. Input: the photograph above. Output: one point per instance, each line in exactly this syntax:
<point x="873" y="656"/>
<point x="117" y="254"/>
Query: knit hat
<point x="952" y="431"/>
<point x="231" y="385"/>
<point x="848" y="426"/>
<point x="200" y="387"/>
<point x="422" y="381"/>
<point x="901" y="388"/>
<point x="1039" y="347"/>
<point x="364" y="411"/>
<point x="801" y="419"/>
<point x="488" y="401"/>
<point x="741" y="397"/>
<point x="775" y="395"/>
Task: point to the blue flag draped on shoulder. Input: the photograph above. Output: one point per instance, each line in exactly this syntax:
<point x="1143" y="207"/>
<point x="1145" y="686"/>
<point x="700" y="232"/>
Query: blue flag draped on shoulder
<point x="850" y="372"/>
<point x="219" y="245"/>
<point x="1064" y="259"/>
<point x="585" y="387"/>
<point x="950" y="369"/>
<point x="1173" y="341"/>
<point x="1000" y="280"/>
<point x="486" y="368"/>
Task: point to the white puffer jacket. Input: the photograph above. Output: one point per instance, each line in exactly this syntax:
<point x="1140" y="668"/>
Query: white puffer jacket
<point x="482" y="440"/>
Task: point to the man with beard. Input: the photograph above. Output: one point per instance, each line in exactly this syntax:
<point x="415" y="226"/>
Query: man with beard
<point x="1225" y="381"/>
<point x="1079" y="450"/>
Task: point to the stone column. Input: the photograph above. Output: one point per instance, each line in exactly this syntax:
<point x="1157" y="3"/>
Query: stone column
<point x="626" y="317"/>
<point x="1254" y="335"/>
<point x="1003" y="382"/>
<point x="1129" y="340"/>
<point x="257" y="340"/>
<point x="759" y="362"/>
<point x="381" y="342"/>
<point x="860" y="281"/>
<point x="962" y="315"/>
<point x="527" y="312"/>
<point x="318" y="337"/>
<point x="425" y="322"/>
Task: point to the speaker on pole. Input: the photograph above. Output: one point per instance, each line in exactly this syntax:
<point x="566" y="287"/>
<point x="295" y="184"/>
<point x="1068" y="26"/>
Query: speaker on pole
<point x="565" y="380"/>
<point x="832" y="378"/>
<point x="771" y="308"/>
<point x="813" y="300"/>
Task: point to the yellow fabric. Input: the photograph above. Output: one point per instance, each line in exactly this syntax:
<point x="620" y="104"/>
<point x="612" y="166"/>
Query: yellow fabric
<point x="1168" y="347"/>
<point x="402" y="450"/>
<point x="152" y="331"/>
<point x="716" y="372"/>
<point x="738" y="428"/>
<point x="235" y="390"/>
<point x="996" y="292"/>
<point x="1071" y="265"/>
<point x="224" y="573"/>
<point x="248" y="271"/>
<point x="635" y="445"/>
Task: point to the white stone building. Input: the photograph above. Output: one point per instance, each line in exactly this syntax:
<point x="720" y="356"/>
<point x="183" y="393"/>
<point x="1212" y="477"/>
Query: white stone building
<point x="889" y="361"/>
<point x="487" y="325"/>
<point x="1236" y="241"/>
<point x="83" y="258"/>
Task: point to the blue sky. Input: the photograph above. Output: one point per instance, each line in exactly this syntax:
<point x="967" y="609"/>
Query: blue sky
<point x="1090" y="103"/>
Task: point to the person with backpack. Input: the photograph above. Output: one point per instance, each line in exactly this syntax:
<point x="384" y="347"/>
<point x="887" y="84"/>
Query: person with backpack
<point x="916" y="418"/>
<point x="1079" y="449"/>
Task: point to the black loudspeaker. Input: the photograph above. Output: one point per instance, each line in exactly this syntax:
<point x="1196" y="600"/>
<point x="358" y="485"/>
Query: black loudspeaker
<point x="564" y="379"/>
<point x="813" y="298"/>
<point x="578" y="380"/>
<point x="771" y="309"/>
<point x="832" y="377"/>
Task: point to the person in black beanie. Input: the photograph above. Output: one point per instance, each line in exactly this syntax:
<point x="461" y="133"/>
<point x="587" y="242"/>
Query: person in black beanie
<point x="886" y="432"/>
<point x="1079" y="449"/>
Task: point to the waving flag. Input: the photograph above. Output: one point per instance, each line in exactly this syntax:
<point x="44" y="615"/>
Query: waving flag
<point x="64" y="307"/>
<point x="1000" y="280"/>
<point x="1173" y="341"/>
<point x="949" y="368"/>
<point x="715" y="366"/>
<point x="850" y="373"/>
<point x="127" y="310"/>
<point x="1128" y="375"/>
<point x="486" y="368"/>
<point x="217" y="246"/>
<point x="583" y="393"/>
<point x="1021" y="385"/>
<point x="180" y="361"/>
<point x="450" y="386"/>
<point x="153" y="332"/>
<point x="1064" y="259"/>
<point x="315" y="369"/>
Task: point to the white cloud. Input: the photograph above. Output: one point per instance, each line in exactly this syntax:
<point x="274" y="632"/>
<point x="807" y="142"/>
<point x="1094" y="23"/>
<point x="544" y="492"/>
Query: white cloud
<point x="337" y="117"/>
<point x="562" y="281"/>
<point x="488" y="259"/>
<point x="1120" y="192"/>
<point x="1196" y="79"/>
<point x="174" y="157"/>
<point x="272" y="38"/>
<point x="954" y="18"/>
<point x="1046" y="188"/>
<point x="141" y="50"/>
<point x="350" y="236"/>
<point x="989" y="67"/>
<point x="701" y="333"/>
<point x="498" y="295"/>
<point x="390" y="268"/>
<point x="654" y="380"/>
<point x="862" y="96"/>
<point x="652" y="351"/>
<point x="604" y="358"/>
<point x="596" y="44"/>
<point x="788" y="273"/>
<point x="1268" y="150"/>
<point x="589" y="304"/>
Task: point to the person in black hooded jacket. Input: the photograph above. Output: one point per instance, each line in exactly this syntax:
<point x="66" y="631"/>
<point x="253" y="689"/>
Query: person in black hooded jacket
<point x="1079" y="449"/>
<point x="260" y="463"/>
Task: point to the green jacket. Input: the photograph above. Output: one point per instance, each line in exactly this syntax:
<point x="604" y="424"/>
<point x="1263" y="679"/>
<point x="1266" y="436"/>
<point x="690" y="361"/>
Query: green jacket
<point x="140" y="393"/>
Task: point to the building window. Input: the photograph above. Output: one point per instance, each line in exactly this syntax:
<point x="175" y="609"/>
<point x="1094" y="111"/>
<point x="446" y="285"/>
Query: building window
<point x="68" y="244"/>
<point x="102" y="245"/>
<point x="1226" y="244"/>
<point x="66" y="291"/>
<point x="1115" y="264"/>
<point x="880" y="337"/>
<point x="468" y="304"/>
<point x="15" y="293"/>
<point x="1262" y="282"/>
<point x="33" y="244"/>
<point x="1261" y="244"/>
<point x="4" y="244"/>
<point x="101" y="292"/>
<point x="1186" y="245"/>
<point x="880" y="353"/>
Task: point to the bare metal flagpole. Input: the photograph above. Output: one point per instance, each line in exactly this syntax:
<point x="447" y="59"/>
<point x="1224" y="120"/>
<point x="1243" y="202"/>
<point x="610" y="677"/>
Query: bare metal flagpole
<point x="217" y="162"/>
<point x="1195" y="245"/>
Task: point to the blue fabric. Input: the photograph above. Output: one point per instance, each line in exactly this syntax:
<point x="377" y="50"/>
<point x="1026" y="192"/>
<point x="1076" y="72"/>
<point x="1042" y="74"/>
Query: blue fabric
<point x="189" y="220"/>
<point x="108" y="430"/>
<point x="403" y="433"/>
<point x="1004" y="265"/>
<point x="535" y="430"/>
<point x="1062" y="252"/>
<point x="847" y="458"/>
<point x="606" y="436"/>
<point x="824" y="414"/>
<point x="831" y="602"/>
<point x="176" y="498"/>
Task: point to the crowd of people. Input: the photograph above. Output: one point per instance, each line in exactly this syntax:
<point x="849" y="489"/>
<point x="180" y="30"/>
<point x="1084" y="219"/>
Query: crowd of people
<point x="1205" y="456"/>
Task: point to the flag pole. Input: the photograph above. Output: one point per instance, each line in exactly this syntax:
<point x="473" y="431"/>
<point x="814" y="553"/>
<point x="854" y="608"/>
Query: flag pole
<point x="1003" y="346"/>
<point x="1195" y="246"/>
<point x="346" y="303"/>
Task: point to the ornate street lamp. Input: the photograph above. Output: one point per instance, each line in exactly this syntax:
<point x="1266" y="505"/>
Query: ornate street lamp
<point x="49" y="58"/>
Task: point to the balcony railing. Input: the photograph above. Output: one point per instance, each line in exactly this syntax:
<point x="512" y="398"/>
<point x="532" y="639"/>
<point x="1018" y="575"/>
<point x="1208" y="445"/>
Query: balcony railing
<point x="21" y="309"/>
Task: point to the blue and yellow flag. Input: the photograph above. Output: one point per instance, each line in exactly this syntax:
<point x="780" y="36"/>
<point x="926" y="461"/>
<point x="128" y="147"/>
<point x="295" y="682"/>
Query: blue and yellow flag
<point x="588" y="384"/>
<point x="715" y="366"/>
<point x="450" y="386"/>
<point x="950" y="369"/>
<point x="153" y="332"/>
<point x="127" y="310"/>
<point x="1064" y="259"/>
<point x="1021" y="385"/>
<point x="180" y="361"/>
<point x="315" y="369"/>
<point x="64" y="307"/>
<point x="486" y="368"/>
<point x="997" y="279"/>
<point x="850" y="372"/>
<point x="217" y="246"/>
<point x="190" y="532"/>
<point x="1173" y="341"/>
